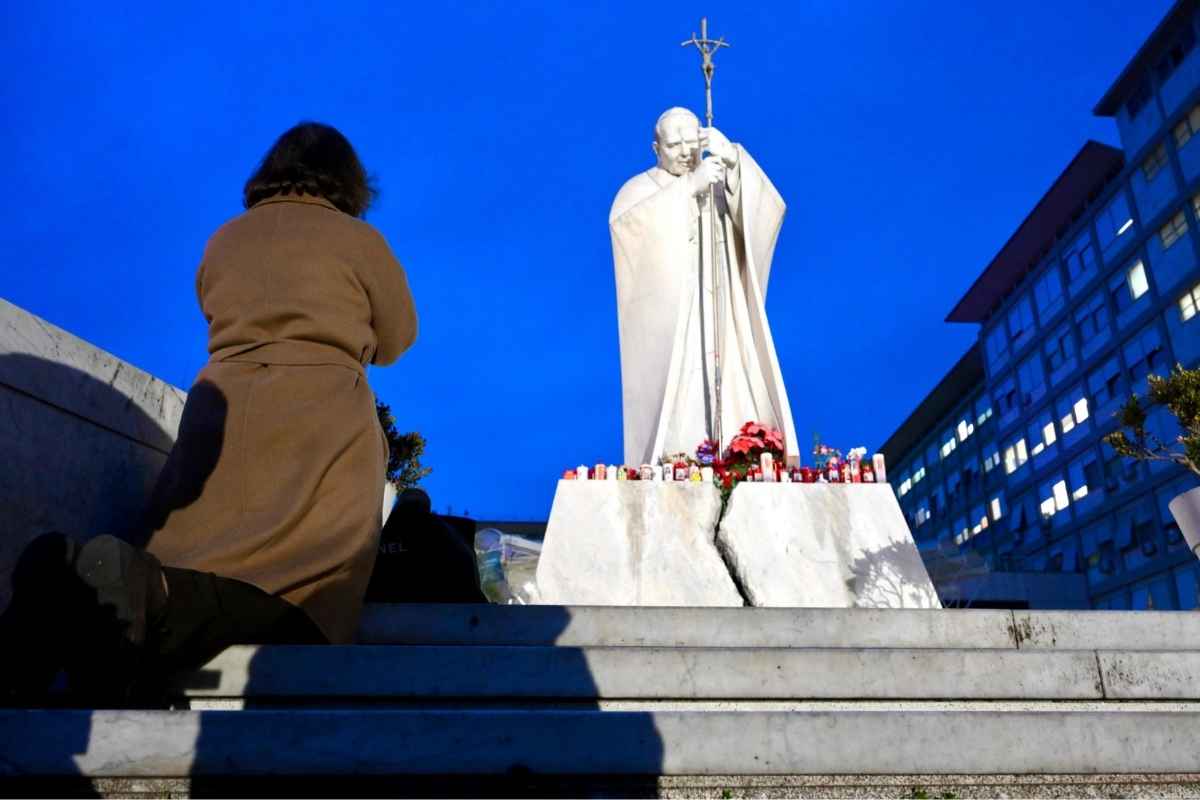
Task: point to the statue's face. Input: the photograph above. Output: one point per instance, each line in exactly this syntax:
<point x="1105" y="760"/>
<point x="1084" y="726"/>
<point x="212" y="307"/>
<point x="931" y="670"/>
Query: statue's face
<point x="678" y="143"/>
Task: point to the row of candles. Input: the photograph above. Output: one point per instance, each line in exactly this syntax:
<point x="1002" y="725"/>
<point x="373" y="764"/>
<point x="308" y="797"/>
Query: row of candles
<point x="768" y="470"/>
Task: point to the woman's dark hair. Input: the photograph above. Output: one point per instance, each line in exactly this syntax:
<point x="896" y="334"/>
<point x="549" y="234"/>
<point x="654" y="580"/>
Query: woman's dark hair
<point x="315" y="159"/>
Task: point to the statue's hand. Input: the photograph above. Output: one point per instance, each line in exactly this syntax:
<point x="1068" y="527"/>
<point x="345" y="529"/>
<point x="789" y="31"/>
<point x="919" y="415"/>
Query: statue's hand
<point x="716" y="143"/>
<point x="711" y="170"/>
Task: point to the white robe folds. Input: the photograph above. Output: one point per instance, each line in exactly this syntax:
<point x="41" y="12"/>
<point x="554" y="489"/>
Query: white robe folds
<point x="663" y="257"/>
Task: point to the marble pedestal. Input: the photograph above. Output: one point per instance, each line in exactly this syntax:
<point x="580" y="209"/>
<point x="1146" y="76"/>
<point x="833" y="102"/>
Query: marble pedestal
<point x="823" y="545"/>
<point x="634" y="543"/>
<point x="784" y="545"/>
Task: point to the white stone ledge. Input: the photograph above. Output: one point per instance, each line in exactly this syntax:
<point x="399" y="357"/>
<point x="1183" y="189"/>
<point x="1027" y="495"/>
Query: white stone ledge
<point x="1151" y="675"/>
<point x="1107" y="630"/>
<point x="45" y="362"/>
<point x="428" y="673"/>
<point x="579" y="626"/>
<point x="233" y="743"/>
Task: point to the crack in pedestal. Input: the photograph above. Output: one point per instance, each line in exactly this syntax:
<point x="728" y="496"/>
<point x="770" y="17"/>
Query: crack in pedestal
<point x="728" y="557"/>
<point x="730" y="561"/>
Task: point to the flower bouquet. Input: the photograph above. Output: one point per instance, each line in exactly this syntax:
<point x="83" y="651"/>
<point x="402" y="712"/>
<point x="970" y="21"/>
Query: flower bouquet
<point x="743" y="459"/>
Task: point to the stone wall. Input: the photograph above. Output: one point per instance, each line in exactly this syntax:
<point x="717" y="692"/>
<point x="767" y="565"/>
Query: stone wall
<point x="83" y="436"/>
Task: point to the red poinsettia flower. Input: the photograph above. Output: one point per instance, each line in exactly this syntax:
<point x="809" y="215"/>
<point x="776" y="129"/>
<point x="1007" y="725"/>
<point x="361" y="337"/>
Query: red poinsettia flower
<point x="773" y="438"/>
<point x="752" y="429"/>
<point x="744" y="444"/>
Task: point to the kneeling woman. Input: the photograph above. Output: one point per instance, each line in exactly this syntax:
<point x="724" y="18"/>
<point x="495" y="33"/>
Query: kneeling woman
<point x="266" y="517"/>
<point x="276" y="478"/>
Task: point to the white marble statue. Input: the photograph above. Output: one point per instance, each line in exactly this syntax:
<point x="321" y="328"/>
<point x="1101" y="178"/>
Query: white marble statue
<point x="662" y="238"/>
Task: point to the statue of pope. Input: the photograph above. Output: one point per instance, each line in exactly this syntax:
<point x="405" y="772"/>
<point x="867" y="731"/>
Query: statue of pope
<point x="663" y="253"/>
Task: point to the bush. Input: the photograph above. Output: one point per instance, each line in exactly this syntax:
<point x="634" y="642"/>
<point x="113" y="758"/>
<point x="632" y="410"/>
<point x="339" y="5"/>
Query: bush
<point x="404" y="470"/>
<point x="1179" y="392"/>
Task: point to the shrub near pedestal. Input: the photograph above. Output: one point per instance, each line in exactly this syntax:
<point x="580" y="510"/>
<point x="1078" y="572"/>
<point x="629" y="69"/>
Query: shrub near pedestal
<point x="1179" y="392"/>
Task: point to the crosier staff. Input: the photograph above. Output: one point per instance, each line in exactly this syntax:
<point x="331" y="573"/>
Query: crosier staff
<point x="718" y="260"/>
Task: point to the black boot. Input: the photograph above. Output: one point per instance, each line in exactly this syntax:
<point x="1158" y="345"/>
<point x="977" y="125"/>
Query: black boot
<point x="128" y="598"/>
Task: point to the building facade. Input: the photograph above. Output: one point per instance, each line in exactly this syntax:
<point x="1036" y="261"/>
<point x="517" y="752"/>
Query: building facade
<point x="1009" y="491"/>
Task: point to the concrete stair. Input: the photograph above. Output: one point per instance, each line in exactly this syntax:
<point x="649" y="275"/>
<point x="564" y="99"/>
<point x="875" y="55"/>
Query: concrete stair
<point x="504" y="690"/>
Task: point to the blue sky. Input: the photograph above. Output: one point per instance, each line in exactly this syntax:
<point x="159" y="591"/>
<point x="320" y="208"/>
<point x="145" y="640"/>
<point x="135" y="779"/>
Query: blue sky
<point x="909" y="140"/>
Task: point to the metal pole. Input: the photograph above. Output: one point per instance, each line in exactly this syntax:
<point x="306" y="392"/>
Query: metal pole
<point x="717" y="248"/>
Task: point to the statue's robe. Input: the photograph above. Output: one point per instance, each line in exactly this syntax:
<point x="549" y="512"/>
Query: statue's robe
<point x="661" y="238"/>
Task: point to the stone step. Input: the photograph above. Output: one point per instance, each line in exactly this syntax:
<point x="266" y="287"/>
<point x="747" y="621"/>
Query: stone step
<point x="654" y="673"/>
<point x="649" y="626"/>
<point x="661" y="626"/>
<point x="396" y="742"/>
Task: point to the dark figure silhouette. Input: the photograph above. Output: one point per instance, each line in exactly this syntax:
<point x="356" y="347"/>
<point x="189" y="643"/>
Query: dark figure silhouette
<point x="425" y="557"/>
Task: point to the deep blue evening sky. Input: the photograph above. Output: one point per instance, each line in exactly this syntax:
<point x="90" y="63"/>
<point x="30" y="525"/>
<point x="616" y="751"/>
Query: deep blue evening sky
<point x="909" y="139"/>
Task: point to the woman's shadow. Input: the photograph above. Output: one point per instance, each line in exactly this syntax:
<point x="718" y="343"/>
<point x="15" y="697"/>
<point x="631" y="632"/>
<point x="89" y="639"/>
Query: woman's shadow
<point x="81" y="458"/>
<point x="440" y="734"/>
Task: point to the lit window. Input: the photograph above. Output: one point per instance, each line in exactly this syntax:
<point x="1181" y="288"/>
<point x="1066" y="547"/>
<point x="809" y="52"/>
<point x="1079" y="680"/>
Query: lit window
<point x="1015" y="455"/>
<point x="1042" y="434"/>
<point x="1171" y="233"/>
<point x="918" y="475"/>
<point x="984" y="410"/>
<point x="948" y="446"/>
<point x="1072" y="410"/>
<point x="991" y="460"/>
<point x="979" y="520"/>
<point x="1136" y="277"/>
<point x="1154" y="162"/>
<point x="1048" y="435"/>
<point x="1189" y="303"/>
<point x="1081" y="410"/>
<point x="997" y="510"/>
<point x="1061" y="500"/>
<point x="1055" y="498"/>
<point x="905" y="486"/>
<point x="965" y="429"/>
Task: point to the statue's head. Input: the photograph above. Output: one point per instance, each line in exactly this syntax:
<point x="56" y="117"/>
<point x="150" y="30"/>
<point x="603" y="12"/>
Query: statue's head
<point x="677" y="140"/>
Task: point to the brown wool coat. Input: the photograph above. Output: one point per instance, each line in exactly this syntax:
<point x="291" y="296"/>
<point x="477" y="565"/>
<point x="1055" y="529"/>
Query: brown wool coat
<point x="276" y="477"/>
